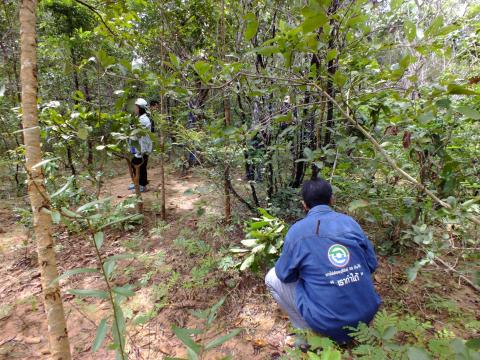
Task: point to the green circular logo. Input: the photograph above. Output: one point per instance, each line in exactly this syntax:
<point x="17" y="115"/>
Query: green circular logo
<point x="338" y="255"/>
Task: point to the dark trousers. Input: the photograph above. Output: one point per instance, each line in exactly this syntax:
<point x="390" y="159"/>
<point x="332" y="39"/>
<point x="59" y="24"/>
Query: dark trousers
<point x="143" y="162"/>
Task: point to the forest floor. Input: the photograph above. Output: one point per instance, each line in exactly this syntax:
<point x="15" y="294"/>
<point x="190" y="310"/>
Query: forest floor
<point x="177" y="271"/>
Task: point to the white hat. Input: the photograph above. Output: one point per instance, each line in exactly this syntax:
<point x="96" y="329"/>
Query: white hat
<point x="141" y="102"/>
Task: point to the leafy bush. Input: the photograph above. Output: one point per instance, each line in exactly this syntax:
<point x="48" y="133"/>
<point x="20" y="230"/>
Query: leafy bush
<point x="263" y="243"/>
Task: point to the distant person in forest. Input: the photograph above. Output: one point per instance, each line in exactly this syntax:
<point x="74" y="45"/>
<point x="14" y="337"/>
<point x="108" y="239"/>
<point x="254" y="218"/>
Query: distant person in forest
<point x="323" y="276"/>
<point x="140" y="156"/>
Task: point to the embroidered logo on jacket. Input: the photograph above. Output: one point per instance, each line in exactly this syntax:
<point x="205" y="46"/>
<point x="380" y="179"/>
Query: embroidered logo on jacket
<point x="338" y="255"/>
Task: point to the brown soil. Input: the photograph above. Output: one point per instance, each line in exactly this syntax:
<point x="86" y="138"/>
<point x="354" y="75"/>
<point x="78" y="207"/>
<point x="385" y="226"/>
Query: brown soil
<point x="22" y="322"/>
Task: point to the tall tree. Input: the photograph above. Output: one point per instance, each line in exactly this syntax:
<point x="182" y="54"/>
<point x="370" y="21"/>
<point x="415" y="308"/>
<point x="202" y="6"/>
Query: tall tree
<point x="57" y="329"/>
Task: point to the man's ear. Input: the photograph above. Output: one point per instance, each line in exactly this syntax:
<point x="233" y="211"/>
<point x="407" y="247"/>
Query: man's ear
<point x="305" y="206"/>
<point x="332" y="201"/>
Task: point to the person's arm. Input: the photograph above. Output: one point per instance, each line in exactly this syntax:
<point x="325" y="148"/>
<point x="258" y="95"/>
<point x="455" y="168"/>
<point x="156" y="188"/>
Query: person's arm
<point x="286" y="266"/>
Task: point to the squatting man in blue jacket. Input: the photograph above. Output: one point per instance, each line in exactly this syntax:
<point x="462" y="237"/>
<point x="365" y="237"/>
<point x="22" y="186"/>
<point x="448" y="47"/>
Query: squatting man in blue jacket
<point x="323" y="276"/>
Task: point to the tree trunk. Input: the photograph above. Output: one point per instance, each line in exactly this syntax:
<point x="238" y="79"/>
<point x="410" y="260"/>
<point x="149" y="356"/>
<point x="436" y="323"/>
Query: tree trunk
<point x="162" y="158"/>
<point x="42" y="221"/>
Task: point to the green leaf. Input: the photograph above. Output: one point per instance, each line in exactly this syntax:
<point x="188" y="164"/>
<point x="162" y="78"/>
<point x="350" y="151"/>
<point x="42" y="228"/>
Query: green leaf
<point x="389" y="333"/>
<point x="56" y="217"/>
<point x="83" y="133"/>
<point x="69" y="213"/>
<point x="410" y="30"/>
<point x="98" y="238"/>
<point x="214" y="310"/>
<point x="108" y="267"/>
<point x="251" y="26"/>
<point x="124" y="290"/>
<point x="395" y="4"/>
<point x="469" y="112"/>
<point x="101" y="332"/>
<point x="89" y="293"/>
<point x="74" y="272"/>
<point x="249" y="242"/>
<point x="332" y="54"/>
<point x="247" y="262"/>
<point x="313" y="22"/>
<point x="90" y="205"/>
<point x="357" y="204"/>
<point x="184" y="336"/>
<point x="435" y="25"/>
<point x="201" y="67"/>
<point x="416" y="353"/>
<point x="43" y="162"/>
<point x="63" y="188"/>
<point x="460" y="90"/>
<point x="473" y="344"/>
<point x="357" y="20"/>
<point x="174" y="59"/>
<point x="221" y="339"/>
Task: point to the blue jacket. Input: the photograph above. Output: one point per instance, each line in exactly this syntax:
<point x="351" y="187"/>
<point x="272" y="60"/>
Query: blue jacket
<point x="332" y="260"/>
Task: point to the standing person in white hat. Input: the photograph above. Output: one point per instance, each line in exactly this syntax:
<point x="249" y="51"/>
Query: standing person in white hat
<point x="140" y="156"/>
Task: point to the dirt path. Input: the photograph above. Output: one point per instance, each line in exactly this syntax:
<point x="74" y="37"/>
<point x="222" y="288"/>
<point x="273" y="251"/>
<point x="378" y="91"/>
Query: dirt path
<point x="22" y="323"/>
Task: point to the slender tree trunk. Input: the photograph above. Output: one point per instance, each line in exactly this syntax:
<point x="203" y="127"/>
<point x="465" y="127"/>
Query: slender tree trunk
<point x="162" y="158"/>
<point x="228" y="205"/>
<point x="227" y="115"/>
<point x="42" y="221"/>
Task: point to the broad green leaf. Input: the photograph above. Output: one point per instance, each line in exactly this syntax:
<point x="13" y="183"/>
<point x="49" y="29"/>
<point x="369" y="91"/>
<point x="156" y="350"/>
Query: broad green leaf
<point x="312" y="23"/>
<point x="247" y="262"/>
<point x="90" y="205"/>
<point x="469" y="112"/>
<point x="238" y="250"/>
<point x="331" y="354"/>
<point x="410" y="30"/>
<point x="69" y="213"/>
<point x="435" y="25"/>
<point x="89" y="293"/>
<point x="332" y="54"/>
<point x="460" y="90"/>
<point x="174" y="59"/>
<point x="357" y="20"/>
<point x="184" y="336"/>
<point x="251" y="26"/>
<point x="124" y="290"/>
<point x="416" y="353"/>
<point x="249" y="242"/>
<point x="389" y="333"/>
<point x="83" y="133"/>
<point x="201" y="67"/>
<point x="43" y="162"/>
<point x="221" y="339"/>
<point x="74" y="272"/>
<point x="101" y="332"/>
<point x="108" y="267"/>
<point x="395" y="4"/>
<point x="98" y="238"/>
<point x="357" y="204"/>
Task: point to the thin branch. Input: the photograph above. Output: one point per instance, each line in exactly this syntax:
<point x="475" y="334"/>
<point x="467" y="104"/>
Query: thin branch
<point x="94" y="10"/>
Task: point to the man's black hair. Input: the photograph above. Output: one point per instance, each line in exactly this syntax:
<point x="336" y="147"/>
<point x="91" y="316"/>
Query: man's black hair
<point x="316" y="192"/>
